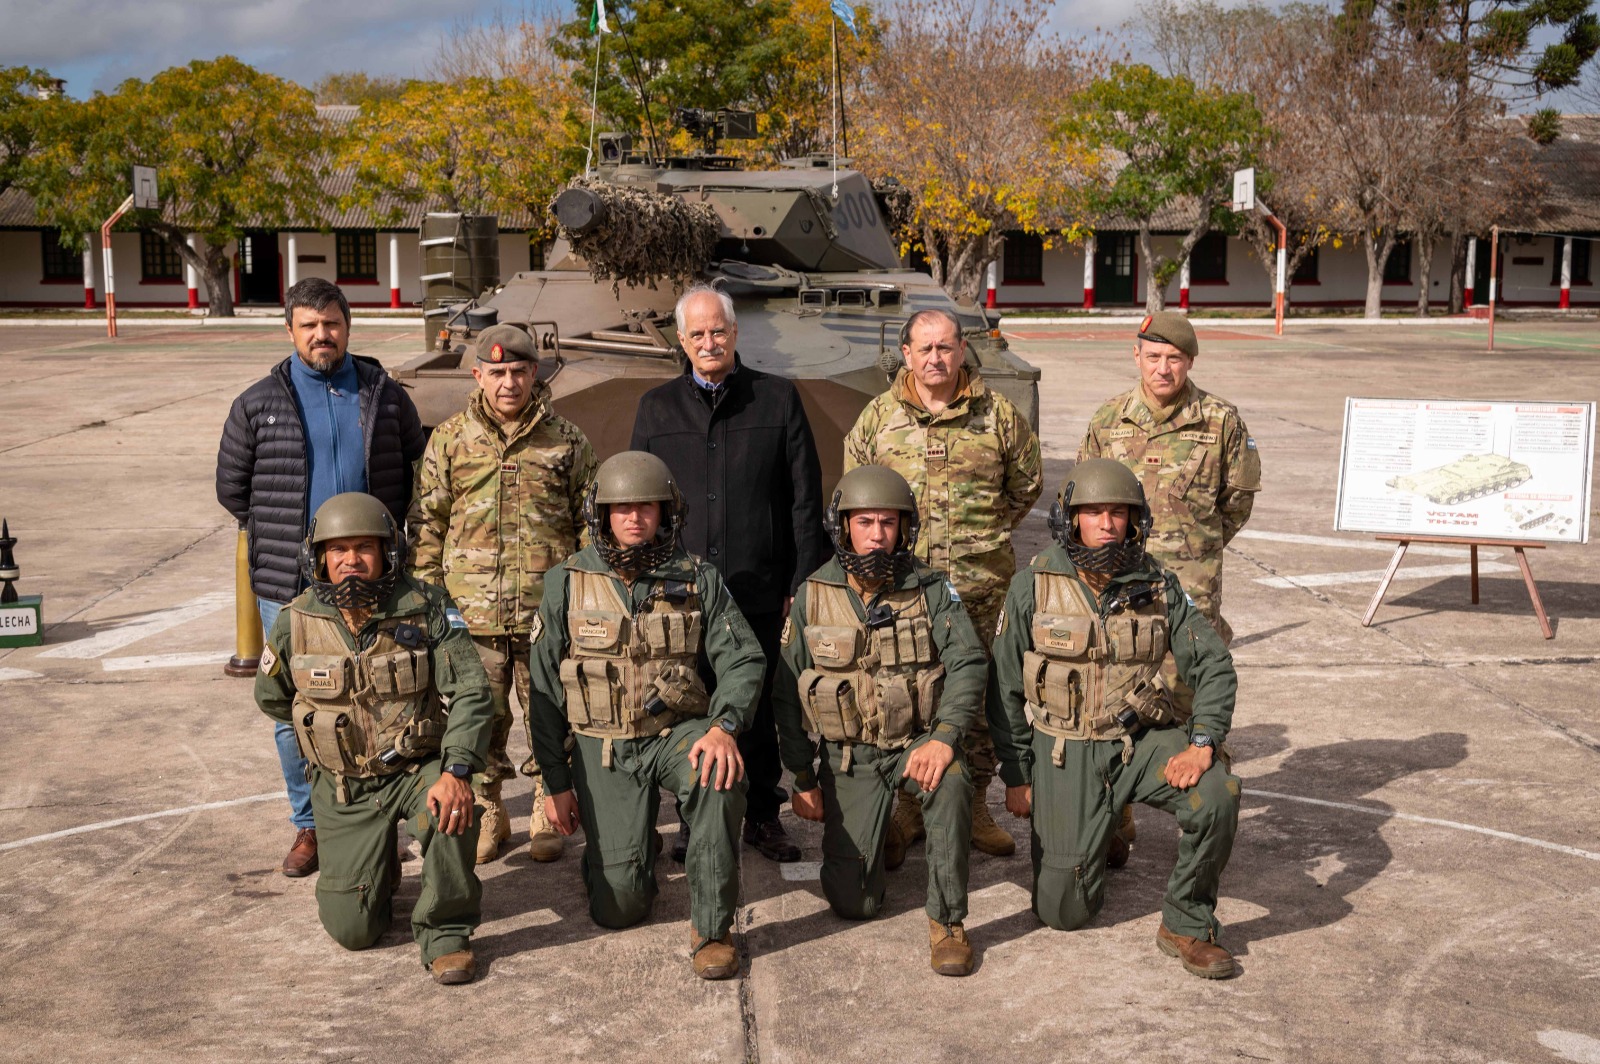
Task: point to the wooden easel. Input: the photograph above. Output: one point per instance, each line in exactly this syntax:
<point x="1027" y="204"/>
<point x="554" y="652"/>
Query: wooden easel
<point x="1522" y="560"/>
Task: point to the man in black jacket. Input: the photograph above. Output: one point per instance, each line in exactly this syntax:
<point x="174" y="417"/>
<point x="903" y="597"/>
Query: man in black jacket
<point x="740" y="447"/>
<point x="318" y="425"/>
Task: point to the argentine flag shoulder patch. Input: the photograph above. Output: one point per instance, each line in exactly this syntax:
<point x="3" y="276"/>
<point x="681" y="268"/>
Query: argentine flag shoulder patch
<point x="955" y="596"/>
<point x="453" y="615"/>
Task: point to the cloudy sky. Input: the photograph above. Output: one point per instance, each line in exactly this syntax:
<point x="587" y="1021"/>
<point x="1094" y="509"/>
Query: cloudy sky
<point x="96" y="44"/>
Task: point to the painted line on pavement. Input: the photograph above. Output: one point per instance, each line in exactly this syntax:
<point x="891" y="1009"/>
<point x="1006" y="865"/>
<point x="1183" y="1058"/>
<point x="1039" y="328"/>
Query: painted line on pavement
<point x="1362" y="544"/>
<point x="1571" y="851"/>
<point x="19" y="843"/>
<point x="1372" y="576"/>
<point x="17" y="674"/>
<point x="166" y="661"/>
<point x="142" y="628"/>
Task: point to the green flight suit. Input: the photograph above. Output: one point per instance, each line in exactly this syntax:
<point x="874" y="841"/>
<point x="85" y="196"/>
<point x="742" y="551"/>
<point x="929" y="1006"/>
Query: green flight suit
<point x="618" y="802"/>
<point x="355" y="837"/>
<point x="858" y="798"/>
<point x="1076" y="805"/>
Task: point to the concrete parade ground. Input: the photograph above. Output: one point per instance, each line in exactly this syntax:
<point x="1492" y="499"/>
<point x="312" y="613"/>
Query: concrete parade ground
<point x="1416" y="877"/>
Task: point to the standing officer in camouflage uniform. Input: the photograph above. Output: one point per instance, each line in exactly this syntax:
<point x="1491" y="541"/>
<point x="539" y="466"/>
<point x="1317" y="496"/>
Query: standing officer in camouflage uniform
<point x="1081" y="645"/>
<point x="358" y="666"/>
<point x="880" y="661"/>
<point x="973" y="462"/>
<point x="621" y="645"/>
<point x="1192" y="452"/>
<point x="499" y="501"/>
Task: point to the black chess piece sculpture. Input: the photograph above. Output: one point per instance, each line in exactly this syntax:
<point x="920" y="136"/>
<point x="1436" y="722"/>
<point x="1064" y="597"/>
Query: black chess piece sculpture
<point x="8" y="565"/>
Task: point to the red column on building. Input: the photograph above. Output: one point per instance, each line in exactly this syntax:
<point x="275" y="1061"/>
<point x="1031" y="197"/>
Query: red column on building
<point x="1472" y="268"/>
<point x="1088" y="273"/>
<point x="1183" y="286"/>
<point x="394" y="269"/>
<point x="1566" y="273"/>
<point x="989" y="299"/>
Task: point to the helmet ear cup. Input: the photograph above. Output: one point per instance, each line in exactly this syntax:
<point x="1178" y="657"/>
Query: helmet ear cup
<point x="830" y="521"/>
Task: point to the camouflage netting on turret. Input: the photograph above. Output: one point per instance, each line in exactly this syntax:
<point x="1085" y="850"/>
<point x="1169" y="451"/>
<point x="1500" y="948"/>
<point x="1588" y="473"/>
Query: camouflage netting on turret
<point x="643" y="237"/>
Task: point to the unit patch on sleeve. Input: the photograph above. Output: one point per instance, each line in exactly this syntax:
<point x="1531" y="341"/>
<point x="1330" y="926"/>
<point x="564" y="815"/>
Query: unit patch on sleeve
<point x="269" y="661"/>
<point x="453" y="615"/>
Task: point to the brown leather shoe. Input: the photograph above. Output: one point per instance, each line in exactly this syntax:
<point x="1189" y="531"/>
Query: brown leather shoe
<point x="302" y="857"/>
<point x="713" y="958"/>
<point x="455" y="968"/>
<point x="1205" y="959"/>
<point x="952" y="953"/>
<point x="771" y="841"/>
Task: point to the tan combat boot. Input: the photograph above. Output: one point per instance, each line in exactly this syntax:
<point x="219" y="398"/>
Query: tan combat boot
<point x="952" y="953"/>
<point x="905" y="827"/>
<point x="545" y="843"/>
<point x="1121" y="840"/>
<point x="988" y="836"/>
<point x="495" y="827"/>
<point x="713" y="958"/>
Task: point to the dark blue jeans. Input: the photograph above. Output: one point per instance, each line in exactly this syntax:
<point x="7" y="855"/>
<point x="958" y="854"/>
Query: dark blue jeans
<point x="289" y="759"/>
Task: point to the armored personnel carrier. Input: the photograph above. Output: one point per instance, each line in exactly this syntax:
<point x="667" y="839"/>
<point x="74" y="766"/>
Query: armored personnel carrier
<point x="818" y="288"/>
<point x="1469" y="477"/>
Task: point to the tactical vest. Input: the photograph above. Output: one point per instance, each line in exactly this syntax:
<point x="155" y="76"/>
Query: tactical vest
<point x="363" y="714"/>
<point x="879" y="686"/>
<point x="630" y="673"/>
<point x="1083" y="670"/>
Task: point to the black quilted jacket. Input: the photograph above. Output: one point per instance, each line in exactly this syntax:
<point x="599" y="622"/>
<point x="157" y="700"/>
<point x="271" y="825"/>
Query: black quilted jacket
<point x="261" y="466"/>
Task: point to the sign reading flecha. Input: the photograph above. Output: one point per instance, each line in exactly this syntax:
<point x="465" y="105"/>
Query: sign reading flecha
<point x="1468" y="468"/>
<point x="19" y="622"/>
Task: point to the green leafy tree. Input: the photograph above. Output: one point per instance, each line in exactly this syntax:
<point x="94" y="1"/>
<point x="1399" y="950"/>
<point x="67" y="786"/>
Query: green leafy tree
<point x="20" y="115"/>
<point x="1173" y="144"/>
<point x="478" y="146"/>
<point x="773" y="57"/>
<point x="356" y="87"/>
<point x="234" y="149"/>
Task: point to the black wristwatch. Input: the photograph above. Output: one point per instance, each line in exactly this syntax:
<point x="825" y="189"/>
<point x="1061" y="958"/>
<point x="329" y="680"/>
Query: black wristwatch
<point x="1201" y="739"/>
<point x="729" y="726"/>
<point x="459" y="771"/>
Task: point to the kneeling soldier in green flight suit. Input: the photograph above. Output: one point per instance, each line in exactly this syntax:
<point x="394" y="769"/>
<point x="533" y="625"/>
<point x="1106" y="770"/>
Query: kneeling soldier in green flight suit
<point x="880" y="660"/>
<point x="627" y="631"/>
<point x="363" y="664"/>
<point x="1080" y="644"/>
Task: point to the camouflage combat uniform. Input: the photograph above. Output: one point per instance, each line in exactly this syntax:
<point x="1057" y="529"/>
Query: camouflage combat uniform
<point x="975" y="470"/>
<point x="497" y="505"/>
<point x="1200" y="471"/>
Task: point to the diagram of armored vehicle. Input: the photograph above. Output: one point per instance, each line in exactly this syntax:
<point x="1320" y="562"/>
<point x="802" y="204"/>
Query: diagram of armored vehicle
<point x="1471" y="476"/>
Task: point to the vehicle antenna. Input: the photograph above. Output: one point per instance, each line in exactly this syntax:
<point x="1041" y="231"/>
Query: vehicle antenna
<point x="644" y="99"/>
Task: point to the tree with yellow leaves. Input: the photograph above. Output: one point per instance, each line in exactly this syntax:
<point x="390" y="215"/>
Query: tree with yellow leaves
<point x="477" y="145"/>
<point x="957" y="108"/>
<point x="233" y="148"/>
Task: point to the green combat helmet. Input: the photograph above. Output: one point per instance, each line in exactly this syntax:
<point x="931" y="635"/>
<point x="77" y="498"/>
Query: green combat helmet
<point x="345" y="516"/>
<point x="873" y="487"/>
<point x="1102" y="480"/>
<point x="634" y="476"/>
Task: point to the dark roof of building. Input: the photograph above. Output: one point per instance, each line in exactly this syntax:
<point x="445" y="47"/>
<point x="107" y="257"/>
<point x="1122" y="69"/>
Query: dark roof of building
<point x="1570" y="165"/>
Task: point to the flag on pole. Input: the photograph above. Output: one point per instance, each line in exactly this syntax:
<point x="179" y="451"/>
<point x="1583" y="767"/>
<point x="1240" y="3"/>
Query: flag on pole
<point x="597" y="21"/>
<point x="846" y="13"/>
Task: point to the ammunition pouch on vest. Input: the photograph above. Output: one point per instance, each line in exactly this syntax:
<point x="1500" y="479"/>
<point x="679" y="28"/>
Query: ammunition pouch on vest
<point x="1083" y="671"/>
<point x="875" y="686"/>
<point x="361" y="714"/>
<point x="630" y="674"/>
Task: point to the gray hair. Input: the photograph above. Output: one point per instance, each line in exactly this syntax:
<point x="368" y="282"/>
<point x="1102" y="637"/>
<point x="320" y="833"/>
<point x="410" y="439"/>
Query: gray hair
<point x="700" y="290"/>
<point x="926" y="315"/>
<point x="314" y="293"/>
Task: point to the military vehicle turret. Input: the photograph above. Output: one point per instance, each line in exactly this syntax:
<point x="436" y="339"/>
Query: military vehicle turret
<point x="804" y="251"/>
<point x="1471" y="476"/>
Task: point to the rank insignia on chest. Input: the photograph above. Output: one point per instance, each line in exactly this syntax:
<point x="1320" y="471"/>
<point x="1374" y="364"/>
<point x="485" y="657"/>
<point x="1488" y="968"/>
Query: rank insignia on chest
<point x="508" y="467"/>
<point x="1058" y="639"/>
<point x="936" y="451"/>
<point x="1153" y="460"/>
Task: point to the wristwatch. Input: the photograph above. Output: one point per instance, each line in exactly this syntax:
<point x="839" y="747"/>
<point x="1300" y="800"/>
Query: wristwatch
<point x="729" y="726"/>
<point x="1201" y="739"/>
<point x="459" y="771"/>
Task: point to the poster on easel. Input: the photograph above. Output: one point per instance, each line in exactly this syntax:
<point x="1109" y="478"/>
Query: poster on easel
<point x="1480" y="470"/>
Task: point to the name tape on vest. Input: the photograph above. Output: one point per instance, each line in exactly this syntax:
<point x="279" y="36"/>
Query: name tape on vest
<point x="1198" y="437"/>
